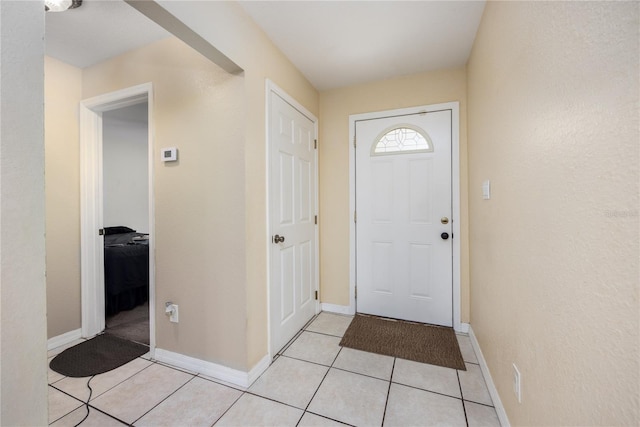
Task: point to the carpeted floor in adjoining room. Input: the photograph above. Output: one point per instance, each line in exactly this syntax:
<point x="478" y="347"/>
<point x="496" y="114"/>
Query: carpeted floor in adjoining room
<point x="132" y="325"/>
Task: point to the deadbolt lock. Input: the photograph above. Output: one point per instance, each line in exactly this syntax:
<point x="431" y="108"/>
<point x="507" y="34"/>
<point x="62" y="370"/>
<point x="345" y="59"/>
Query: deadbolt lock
<point x="444" y="220"/>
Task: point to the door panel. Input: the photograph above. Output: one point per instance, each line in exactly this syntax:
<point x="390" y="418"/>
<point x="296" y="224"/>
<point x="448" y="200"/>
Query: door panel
<point x="292" y="207"/>
<point x="404" y="267"/>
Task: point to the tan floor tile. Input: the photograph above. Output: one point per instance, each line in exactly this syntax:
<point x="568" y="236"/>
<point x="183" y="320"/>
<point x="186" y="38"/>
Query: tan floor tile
<point x="468" y="355"/>
<point x="132" y="398"/>
<point x="95" y="419"/>
<point x="330" y="324"/>
<point x="199" y="403"/>
<point x="473" y="386"/>
<point x="481" y="416"/>
<point x="60" y="404"/>
<point x="427" y="377"/>
<point x="290" y="381"/>
<point x="412" y="407"/>
<point x="365" y="363"/>
<point x="252" y="410"/>
<point x="351" y="398"/>
<point x="77" y="387"/>
<point x="316" y="348"/>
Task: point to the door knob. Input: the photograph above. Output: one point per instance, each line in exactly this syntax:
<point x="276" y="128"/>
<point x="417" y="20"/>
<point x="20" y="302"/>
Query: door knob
<point x="278" y="239"/>
<point x="444" y="236"/>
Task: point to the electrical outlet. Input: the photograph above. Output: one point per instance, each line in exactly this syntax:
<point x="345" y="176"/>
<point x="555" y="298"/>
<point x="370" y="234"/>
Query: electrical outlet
<point x="517" y="384"/>
<point x="174" y="314"/>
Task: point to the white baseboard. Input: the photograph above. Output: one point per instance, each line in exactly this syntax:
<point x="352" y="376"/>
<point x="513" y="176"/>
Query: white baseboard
<point x="223" y="373"/>
<point x="64" y="339"/>
<point x="338" y="309"/>
<point x="495" y="397"/>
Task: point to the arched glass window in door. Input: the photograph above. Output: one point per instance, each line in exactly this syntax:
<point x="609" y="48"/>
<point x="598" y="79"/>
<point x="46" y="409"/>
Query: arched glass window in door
<point x="402" y="139"/>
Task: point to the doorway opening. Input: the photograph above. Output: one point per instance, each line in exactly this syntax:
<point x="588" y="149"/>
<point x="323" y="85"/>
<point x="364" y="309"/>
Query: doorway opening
<point x="117" y="214"/>
<point x="125" y="172"/>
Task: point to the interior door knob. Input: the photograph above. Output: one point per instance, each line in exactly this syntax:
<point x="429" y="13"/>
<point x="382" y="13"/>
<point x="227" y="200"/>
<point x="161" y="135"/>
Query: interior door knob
<point x="444" y="236"/>
<point x="278" y="239"/>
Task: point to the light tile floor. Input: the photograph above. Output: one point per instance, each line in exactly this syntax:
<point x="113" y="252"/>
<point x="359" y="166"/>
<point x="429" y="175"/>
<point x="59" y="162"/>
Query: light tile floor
<point x="312" y="382"/>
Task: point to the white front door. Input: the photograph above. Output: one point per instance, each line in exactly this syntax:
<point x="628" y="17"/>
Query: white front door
<point x="292" y="210"/>
<point x="404" y="224"/>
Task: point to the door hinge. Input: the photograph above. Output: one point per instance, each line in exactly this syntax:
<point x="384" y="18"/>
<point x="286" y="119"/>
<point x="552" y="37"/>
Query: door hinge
<point x="315" y="144"/>
<point x="355" y="216"/>
<point x="316" y="220"/>
<point x="316" y="294"/>
<point x="101" y="231"/>
<point x="354" y="141"/>
<point x="355" y="296"/>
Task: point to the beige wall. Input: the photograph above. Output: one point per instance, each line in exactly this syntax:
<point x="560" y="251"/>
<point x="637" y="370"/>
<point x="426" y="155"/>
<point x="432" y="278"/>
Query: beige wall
<point x="335" y="107"/>
<point x="553" y="123"/>
<point x="23" y="351"/>
<point x="227" y="27"/>
<point x="63" y="92"/>
<point x="199" y="202"/>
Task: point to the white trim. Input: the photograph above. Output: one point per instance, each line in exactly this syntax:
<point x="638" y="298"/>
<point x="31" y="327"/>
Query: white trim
<point x="220" y="372"/>
<point x="270" y="87"/>
<point x="455" y="189"/>
<point x="493" y="391"/>
<point x="64" y="339"/>
<point x="92" y="251"/>
<point x="338" y="309"/>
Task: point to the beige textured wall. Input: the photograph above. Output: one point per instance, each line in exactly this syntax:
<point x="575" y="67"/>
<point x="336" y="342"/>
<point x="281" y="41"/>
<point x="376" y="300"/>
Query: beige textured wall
<point x="553" y="122"/>
<point x="335" y="107"/>
<point x="199" y="201"/>
<point x="227" y="27"/>
<point x="63" y="92"/>
<point x="23" y="339"/>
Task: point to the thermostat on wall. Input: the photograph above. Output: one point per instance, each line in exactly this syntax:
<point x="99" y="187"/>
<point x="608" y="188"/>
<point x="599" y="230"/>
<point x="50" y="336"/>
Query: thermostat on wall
<point x="169" y="154"/>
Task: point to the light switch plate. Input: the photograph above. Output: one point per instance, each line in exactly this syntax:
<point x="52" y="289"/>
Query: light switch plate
<point x="486" y="190"/>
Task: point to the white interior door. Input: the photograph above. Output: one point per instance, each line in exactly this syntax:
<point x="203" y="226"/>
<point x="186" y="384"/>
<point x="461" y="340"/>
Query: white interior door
<point x="292" y="210"/>
<point x="403" y="205"/>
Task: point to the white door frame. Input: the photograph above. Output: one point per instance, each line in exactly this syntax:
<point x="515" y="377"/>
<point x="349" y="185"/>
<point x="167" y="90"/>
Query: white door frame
<point x="91" y="194"/>
<point x="271" y="87"/>
<point x="455" y="199"/>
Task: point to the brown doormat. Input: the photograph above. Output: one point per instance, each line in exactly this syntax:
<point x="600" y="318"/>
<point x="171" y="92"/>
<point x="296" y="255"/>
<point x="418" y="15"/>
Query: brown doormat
<point x="436" y="345"/>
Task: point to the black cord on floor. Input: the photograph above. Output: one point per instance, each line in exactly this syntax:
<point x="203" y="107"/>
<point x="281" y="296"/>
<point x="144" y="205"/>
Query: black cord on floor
<point x="87" y="402"/>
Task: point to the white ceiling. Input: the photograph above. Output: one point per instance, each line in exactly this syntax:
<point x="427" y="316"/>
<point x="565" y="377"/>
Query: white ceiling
<point x="96" y="31"/>
<point x="333" y="43"/>
<point x="340" y="43"/>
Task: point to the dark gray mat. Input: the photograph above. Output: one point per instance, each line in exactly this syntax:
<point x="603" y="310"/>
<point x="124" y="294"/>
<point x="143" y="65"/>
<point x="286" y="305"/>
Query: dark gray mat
<point x="100" y="354"/>
<point x="436" y="345"/>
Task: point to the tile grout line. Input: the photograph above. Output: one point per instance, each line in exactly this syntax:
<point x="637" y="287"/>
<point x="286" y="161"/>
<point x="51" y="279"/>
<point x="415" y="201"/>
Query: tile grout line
<point x="428" y="391"/>
<point x="464" y="407"/>
<point x="168" y="396"/>
<point x="229" y="408"/>
<point x="386" y="402"/>
<point x="109" y="415"/>
<point x="320" y="384"/>
<point x="323" y="333"/>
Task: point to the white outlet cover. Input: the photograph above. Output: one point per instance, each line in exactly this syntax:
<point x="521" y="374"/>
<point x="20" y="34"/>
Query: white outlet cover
<point x="169" y="154"/>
